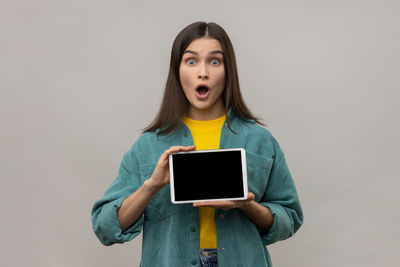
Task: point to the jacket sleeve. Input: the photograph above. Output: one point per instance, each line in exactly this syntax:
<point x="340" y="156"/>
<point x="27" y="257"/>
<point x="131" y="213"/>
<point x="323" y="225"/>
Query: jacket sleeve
<point x="105" y="221"/>
<point x="281" y="198"/>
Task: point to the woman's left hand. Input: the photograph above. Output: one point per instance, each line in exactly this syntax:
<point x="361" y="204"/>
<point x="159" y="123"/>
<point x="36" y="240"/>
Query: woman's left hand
<point x="226" y="205"/>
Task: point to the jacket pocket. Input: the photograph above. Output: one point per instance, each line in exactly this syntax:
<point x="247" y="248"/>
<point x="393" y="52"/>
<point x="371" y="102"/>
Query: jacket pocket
<point x="258" y="171"/>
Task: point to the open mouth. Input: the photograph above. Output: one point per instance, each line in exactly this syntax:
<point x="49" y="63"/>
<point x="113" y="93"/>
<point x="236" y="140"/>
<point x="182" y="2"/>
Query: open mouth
<point x="202" y="90"/>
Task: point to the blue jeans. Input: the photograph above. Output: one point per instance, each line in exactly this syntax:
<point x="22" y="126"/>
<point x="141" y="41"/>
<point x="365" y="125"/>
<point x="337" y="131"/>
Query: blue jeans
<point x="208" y="257"/>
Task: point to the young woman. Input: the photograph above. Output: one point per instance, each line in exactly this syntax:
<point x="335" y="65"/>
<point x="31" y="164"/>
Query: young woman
<point x="202" y="108"/>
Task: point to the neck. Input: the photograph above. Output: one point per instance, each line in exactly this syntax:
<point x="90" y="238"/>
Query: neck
<point x="206" y="114"/>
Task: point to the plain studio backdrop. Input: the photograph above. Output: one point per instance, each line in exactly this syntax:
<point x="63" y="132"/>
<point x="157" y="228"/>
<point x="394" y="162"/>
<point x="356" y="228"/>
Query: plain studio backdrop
<point x="80" y="79"/>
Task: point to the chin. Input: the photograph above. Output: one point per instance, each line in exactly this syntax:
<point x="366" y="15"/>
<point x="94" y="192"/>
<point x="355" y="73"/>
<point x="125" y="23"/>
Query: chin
<point x="202" y="107"/>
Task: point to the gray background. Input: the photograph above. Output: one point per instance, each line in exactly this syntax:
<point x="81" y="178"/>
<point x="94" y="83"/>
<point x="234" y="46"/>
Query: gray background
<point x="80" y="79"/>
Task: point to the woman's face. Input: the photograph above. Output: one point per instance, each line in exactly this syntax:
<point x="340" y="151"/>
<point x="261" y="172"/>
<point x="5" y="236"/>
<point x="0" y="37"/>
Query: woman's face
<point x="202" y="76"/>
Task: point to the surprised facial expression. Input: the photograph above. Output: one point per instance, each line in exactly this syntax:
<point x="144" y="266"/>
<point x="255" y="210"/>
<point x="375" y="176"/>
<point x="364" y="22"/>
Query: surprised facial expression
<point x="202" y="76"/>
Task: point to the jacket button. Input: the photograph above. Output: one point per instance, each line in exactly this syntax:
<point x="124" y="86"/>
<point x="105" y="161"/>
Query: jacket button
<point x="194" y="262"/>
<point x="185" y="134"/>
<point x="221" y="216"/>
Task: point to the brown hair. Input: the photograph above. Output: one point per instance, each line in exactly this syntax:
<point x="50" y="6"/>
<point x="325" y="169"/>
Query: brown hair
<point x="174" y="104"/>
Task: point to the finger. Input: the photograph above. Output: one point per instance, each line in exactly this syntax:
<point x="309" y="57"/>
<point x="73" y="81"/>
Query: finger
<point x="170" y="150"/>
<point x="250" y="196"/>
<point x="163" y="160"/>
<point x="203" y="204"/>
<point x="189" y="148"/>
<point x="174" y="149"/>
<point x="214" y="204"/>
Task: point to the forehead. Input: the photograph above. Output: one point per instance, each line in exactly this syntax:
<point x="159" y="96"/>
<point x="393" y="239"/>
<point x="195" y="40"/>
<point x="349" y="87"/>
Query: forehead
<point x="204" y="45"/>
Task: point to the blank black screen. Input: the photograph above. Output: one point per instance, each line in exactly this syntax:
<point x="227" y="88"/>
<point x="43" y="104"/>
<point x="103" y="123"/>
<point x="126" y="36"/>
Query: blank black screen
<point x="207" y="175"/>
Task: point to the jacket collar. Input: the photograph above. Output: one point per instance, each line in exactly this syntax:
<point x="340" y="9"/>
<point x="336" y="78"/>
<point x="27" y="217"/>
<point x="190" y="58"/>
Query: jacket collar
<point x="232" y="115"/>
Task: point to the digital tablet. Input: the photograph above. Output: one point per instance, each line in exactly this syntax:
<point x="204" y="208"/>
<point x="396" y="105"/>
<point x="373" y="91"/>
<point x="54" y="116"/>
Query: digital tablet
<point x="208" y="175"/>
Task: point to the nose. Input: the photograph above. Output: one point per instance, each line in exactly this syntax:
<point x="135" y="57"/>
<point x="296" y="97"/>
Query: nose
<point x="203" y="72"/>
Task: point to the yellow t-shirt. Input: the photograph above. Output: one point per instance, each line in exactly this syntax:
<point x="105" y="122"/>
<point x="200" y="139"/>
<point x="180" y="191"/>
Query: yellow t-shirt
<point x="206" y="135"/>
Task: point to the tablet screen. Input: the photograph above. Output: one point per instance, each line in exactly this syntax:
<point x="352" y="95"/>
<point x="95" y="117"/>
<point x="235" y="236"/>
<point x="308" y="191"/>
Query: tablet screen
<point x="208" y="175"/>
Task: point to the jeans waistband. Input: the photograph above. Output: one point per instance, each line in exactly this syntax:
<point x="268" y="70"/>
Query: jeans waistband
<point x="208" y="255"/>
<point x="208" y="252"/>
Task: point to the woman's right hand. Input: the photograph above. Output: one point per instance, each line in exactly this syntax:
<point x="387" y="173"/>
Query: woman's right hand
<point x="160" y="176"/>
<point x="133" y="206"/>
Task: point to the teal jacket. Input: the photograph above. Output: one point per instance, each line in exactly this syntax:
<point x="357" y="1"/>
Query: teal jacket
<point x="171" y="232"/>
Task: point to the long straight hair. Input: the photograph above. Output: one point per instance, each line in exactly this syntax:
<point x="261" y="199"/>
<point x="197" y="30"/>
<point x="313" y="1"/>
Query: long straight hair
<point x="175" y="104"/>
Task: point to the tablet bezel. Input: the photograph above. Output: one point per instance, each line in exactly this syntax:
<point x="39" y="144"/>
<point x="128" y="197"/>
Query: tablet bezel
<point x="244" y="175"/>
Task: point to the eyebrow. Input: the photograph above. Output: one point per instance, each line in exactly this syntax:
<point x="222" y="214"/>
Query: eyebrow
<point x="212" y="52"/>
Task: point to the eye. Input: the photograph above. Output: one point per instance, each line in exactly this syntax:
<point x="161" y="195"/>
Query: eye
<point x="215" y="61"/>
<point x="190" y="61"/>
